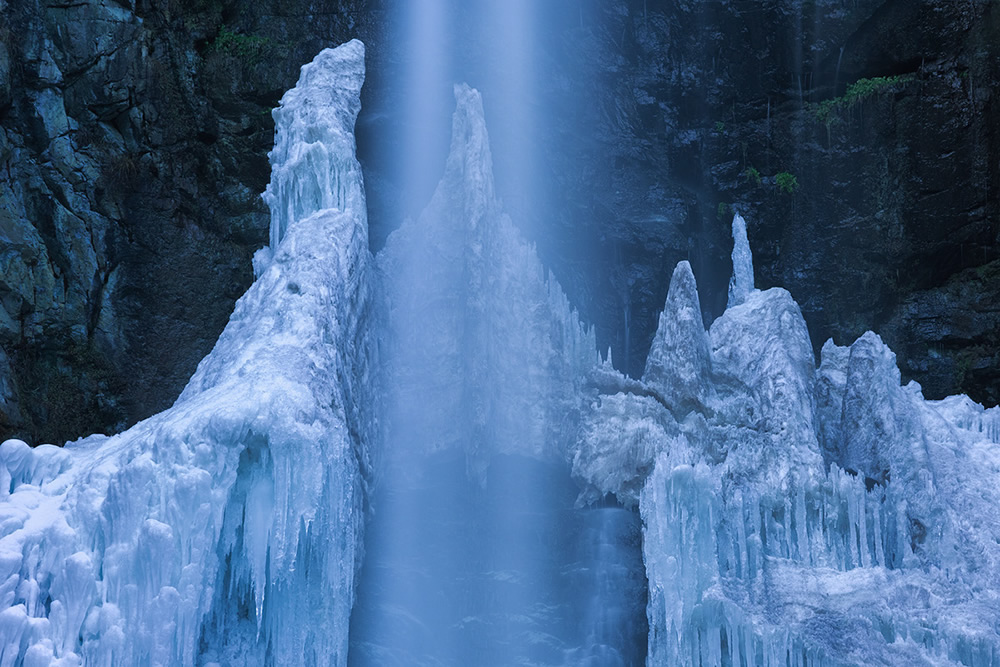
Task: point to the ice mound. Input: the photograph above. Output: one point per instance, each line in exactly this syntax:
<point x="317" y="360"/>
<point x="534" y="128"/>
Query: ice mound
<point x="795" y="515"/>
<point x="226" y="528"/>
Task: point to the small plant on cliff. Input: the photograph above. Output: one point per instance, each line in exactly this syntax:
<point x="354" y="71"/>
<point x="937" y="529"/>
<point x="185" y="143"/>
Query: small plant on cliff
<point x="857" y="92"/>
<point x="963" y="364"/>
<point x="752" y="175"/>
<point x="865" y="88"/>
<point x="250" y="49"/>
<point x="786" y="182"/>
<point x="722" y="211"/>
<point x="121" y="170"/>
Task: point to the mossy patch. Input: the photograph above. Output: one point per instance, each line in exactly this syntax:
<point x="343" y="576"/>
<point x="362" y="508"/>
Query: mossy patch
<point x="829" y="110"/>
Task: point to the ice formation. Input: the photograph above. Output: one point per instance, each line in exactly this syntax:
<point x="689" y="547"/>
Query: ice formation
<point x="485" y="365"/>
<point x="477" y="328"/>
<point x="741" y="283"/>
<point x="793" y="515"/>
<point x="227" y="528"/>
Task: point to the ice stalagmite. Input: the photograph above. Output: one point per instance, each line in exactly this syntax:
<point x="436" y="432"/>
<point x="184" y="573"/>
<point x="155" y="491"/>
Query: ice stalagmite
<point x="225" y="529"/>
<point x="741" y="282"/>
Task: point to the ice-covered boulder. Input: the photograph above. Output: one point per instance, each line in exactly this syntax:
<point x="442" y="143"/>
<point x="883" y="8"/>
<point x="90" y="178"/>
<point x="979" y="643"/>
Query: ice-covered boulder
<point x="763" y="358"/>
<point x="871" y="419"/>
<point x="619" y="441"/>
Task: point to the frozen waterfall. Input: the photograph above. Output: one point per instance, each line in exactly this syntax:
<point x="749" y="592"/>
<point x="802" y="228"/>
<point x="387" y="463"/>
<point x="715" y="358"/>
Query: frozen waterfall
<point x="792" y="515"/>
<point x="226" y="529"/>
<point x="476" y="554"/>
<point x="420" y="459"/>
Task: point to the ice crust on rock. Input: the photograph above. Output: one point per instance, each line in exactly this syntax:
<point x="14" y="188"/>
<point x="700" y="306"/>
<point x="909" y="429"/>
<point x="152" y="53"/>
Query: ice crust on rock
<point x="227" y="528"/>
<point x="798" y="516"/>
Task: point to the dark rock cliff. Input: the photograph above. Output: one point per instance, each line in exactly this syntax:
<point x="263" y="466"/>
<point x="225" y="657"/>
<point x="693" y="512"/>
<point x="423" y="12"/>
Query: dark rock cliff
<point x="133" y="148"/>
<point x="858" y="137"/>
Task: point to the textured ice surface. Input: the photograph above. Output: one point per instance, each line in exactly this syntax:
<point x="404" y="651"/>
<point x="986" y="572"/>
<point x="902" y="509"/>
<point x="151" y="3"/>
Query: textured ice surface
<point x="484" y="351"/>
<point x="227" y="527"/>
<point x="794" y="515"/>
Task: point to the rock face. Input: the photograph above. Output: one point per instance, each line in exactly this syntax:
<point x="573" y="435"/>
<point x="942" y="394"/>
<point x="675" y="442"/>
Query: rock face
<point x="858" y="140"/>
<point x="133" y="147"/>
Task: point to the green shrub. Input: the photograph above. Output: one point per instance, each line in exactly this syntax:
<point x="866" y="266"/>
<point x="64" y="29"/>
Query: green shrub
<point x="786" y="182"/>
<point x="752" y="175"/>
<point x="722" y="211"/>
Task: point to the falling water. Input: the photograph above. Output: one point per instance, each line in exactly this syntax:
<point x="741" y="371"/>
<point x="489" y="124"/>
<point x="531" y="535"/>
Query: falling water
<point x="475" y="553"/>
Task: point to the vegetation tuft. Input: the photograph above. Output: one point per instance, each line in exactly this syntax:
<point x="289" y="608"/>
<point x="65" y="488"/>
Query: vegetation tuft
<point x="786" y="182"/>
<point x="862" y="89"/>
<point x="248" y="49"/>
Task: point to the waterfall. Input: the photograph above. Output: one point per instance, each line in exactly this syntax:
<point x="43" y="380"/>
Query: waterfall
<point x="420" y="458"/>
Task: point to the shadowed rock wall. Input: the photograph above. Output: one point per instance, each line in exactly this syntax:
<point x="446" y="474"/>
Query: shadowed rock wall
<point x="133" y="148"/>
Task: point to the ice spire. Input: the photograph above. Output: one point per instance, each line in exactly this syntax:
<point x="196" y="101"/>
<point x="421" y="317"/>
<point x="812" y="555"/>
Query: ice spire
<point x="313" y="167"/>
<point x="741" y="284"/>
<point x="678" y="365"/>
<point x="469" y="171"/>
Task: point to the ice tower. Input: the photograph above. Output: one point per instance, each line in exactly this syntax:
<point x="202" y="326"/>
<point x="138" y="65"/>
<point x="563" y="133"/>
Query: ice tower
<point x="226" y="529"/>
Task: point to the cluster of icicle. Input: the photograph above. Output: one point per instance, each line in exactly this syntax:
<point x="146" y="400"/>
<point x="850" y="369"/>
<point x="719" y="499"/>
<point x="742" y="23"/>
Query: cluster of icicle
<point x="227" y="528"/>
<point x="792" y="515"/>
